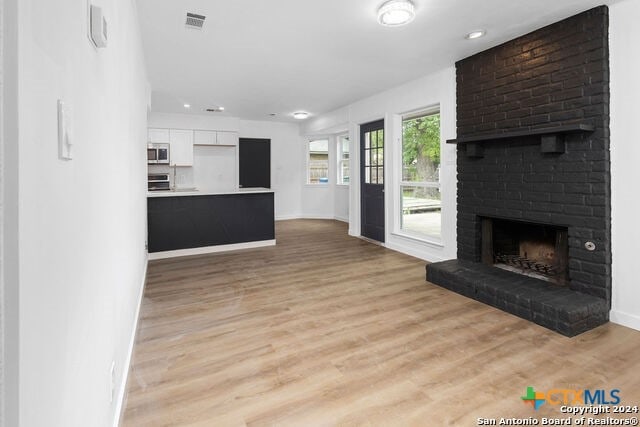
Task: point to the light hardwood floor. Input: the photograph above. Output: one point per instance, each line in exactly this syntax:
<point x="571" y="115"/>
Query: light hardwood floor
<point x="326" y="329"/>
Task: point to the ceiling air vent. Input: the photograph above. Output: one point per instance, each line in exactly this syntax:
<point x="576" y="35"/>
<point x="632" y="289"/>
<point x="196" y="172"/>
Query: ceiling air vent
<point x="195" y="21"/>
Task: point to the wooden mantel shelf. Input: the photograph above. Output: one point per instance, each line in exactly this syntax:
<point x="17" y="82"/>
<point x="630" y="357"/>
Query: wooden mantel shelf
<point x="551" y="138"/>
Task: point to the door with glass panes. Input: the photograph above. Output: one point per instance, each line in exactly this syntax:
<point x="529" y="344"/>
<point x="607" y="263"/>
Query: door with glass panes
<point x="372" y="180"/>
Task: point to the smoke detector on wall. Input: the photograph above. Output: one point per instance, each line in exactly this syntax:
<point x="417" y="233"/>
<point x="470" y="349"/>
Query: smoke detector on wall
<point x="194" y="21"/>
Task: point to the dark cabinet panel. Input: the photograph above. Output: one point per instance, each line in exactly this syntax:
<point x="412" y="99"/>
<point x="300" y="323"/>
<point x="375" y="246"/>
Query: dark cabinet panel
<point x="184" y="222"/>
<point x="255" y="162"/>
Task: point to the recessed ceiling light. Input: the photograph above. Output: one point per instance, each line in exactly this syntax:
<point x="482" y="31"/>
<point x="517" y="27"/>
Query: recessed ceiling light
<point x="475" y="34"/>
<point x="300" y="115"/>
<point x="214" y="109"/>
<point x="394" y="13"/>
<point x="187" y="105"/>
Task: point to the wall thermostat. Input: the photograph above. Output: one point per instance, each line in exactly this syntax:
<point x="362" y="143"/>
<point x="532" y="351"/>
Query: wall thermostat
<point x="98" y="26"/>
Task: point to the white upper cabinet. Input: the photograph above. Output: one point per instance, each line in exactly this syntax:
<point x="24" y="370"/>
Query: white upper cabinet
<point x="158" y="135"/>
<point x="181" y="145"/>
<point x="227" y="138"/>
<point x="204" y="137"/>
<point x="210" y="137"/>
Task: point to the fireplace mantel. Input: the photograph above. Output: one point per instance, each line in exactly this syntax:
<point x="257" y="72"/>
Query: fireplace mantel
<point x="551" y="138"/>
<point x="555" y="130"/>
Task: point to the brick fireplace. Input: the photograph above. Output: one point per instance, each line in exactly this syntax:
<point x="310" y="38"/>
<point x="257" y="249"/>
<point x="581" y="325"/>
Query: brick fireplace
<point x="534" y="210"/>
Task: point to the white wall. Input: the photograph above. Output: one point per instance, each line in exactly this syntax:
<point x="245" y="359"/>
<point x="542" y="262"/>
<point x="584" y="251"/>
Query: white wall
<point x="325" y="201"/>
<point x="328" y="201"/>
<point x="341" y="203"/>
<point x="82" y="223"/>
<point x="285" y="151"/>
<point x="624" y="35"/>
<point x="435" y="89"/>
<point x="2" y="208"/>
<point x="318" y="200"/>
<point x="193" y="121"/>
<point x="9" y="242"/>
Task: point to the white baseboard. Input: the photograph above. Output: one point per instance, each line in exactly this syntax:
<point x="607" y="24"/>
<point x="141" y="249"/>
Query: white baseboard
<point x="211" y="249"/>
<point x="127" y="365"/>
<point x="341" y="218"/>
<point x="625" y="319"/>
<point x="287" y="217"/>
<point x="312" y="216"/>
<point x="316" y="216"/>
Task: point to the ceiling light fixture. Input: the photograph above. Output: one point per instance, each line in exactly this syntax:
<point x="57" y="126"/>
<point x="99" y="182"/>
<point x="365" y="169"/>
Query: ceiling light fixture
<point x="394" y="13"/>
<point x="300" y="115"/>
<point x="187" y="105"/>
<point x="214" y="109"/>
<point x="475" y="34"/>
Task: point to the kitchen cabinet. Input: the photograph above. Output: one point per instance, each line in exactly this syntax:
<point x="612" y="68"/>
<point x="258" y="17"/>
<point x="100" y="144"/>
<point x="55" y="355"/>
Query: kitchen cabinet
<point x="158" y="136"/>
<point x="181" y="147"/>
<point x="210" y="137"/>
<point x="204" y="137"/>
<point x="227" y="138"/>
<point x="195" y="221"/>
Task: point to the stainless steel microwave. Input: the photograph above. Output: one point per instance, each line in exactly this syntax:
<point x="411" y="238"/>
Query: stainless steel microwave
<point x="158" y="154"/>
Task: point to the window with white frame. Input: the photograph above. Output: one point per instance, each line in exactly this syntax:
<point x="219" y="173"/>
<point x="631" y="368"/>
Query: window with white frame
<point x="318" y="161"/>
<point x="420" y="186"/>
<point x="343" y="160"/>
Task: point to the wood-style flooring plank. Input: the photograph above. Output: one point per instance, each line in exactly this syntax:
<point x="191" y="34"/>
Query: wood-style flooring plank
<point x="326" y="329"/>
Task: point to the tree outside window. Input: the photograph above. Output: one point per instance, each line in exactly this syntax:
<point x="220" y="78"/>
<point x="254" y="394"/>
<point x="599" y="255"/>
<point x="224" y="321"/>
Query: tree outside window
<point x="420" y="186"/>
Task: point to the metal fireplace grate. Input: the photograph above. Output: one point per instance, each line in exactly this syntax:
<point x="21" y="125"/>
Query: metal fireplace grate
<point x="526" y="264"/>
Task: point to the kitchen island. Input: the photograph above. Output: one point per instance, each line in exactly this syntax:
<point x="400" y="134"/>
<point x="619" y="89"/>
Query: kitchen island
<point x="194" y="222"/>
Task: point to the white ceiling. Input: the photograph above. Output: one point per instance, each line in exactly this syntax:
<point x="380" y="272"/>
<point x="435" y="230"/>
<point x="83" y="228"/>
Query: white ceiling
<point x="257" y="57"/>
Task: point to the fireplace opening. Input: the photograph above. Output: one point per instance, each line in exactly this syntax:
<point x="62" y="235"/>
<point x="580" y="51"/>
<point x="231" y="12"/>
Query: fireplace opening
<point x="535" y="250"/>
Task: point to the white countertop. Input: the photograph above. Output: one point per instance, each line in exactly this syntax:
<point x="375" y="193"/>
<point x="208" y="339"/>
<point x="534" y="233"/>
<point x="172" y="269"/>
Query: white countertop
<point x="194" y="192"/>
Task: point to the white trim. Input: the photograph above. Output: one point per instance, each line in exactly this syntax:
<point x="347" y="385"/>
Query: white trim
<point x="625" y="319"/>
<point x="372" y="241"/>
<point x="417" y="253"/>
<point x="341" y="218"/>
<point x="211" y="249"/>
<point x="312" y="216"/>
<point x="316" y="216"/>
<point x="423" y="238"/>
<point x="120" y="401"/>
<point x="288" y="217"/>
<point x="2" y="204"/>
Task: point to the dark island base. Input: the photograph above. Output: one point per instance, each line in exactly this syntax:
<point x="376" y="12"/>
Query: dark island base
<point x="188" y="222"/>
<point x="557" y="308"/>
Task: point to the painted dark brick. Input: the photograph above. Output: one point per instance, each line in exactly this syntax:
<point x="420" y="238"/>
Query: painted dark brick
<point x="555" y="76"/>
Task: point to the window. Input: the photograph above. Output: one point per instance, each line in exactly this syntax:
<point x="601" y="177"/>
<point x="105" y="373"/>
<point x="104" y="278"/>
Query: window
<point x="420" y="185"/>
<point x="343" y="160"/>
<point x="318" y="161"/>
<point x="374" y="157"/>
